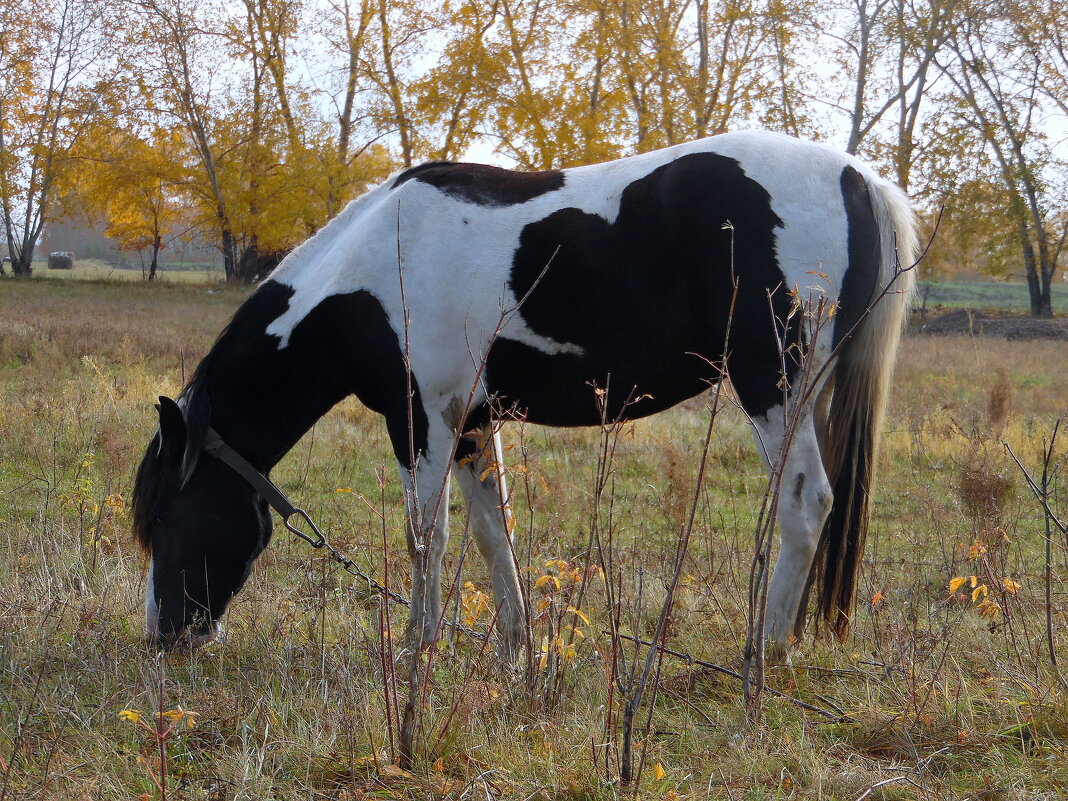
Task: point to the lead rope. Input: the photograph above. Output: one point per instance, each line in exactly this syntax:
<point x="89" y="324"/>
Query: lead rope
<point x="320" y="542"/>
<point x="215" y="446"/>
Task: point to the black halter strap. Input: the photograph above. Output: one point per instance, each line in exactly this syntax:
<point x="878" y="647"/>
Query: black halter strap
<point x="214" y="446"/>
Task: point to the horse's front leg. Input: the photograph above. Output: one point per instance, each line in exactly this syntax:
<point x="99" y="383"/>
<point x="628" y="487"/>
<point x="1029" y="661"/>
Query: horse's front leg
<point x="426" y="499"/>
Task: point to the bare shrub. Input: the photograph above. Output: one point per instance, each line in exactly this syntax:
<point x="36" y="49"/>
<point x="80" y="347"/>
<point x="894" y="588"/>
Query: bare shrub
<point x="999" y="401"/>
<point x="984" y="489"/>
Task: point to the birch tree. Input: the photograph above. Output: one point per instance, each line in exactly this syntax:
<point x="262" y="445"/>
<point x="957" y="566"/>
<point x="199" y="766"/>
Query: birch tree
<point x="177" y="71"/>
<point x="49" y="50"/>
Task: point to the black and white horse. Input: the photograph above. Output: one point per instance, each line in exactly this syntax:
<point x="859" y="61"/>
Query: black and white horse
<point x="618" y="276"/>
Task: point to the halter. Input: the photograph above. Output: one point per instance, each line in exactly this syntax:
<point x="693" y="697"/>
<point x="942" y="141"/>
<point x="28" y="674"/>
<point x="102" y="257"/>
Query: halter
<point x="214" y="446"/>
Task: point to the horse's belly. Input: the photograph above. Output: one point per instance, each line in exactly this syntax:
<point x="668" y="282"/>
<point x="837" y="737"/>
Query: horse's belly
<point x="588" y="389"/>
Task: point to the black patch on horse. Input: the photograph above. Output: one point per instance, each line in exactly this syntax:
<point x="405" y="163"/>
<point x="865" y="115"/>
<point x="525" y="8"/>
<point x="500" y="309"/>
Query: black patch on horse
<point x="344" y="346"/>
<point x="482" y="184"/>
<point x="858" y="284"/>
<point x="648" y="298"/>
<point x="262" y="399"/>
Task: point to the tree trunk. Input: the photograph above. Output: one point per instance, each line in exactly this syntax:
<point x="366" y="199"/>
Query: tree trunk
<point x="229" y="251"/>
<point x="156" y="246"/>
<point x="1045" y="299"/>
<point x="23" y="266"/>
<point x="255" y="265"/>
<point x="1037" y="288"/>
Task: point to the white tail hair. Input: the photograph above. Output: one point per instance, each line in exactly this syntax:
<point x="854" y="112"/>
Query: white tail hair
<point x="861" y="381"/>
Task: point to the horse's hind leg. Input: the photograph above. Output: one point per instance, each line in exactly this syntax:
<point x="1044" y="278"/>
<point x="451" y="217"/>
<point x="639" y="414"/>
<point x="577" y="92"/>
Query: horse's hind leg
<point x="804" y="501"/>
<point x="481" y="478"/>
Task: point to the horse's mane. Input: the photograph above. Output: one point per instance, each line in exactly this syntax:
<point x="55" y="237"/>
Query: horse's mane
<point x="146" y="494"/>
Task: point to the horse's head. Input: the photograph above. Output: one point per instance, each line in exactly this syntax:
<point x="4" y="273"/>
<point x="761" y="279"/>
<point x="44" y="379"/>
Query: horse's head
<point x="202" y="526"/>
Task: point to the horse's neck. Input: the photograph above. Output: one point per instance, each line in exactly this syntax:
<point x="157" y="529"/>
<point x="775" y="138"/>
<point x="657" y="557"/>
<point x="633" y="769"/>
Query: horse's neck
<point x="263" y="398"/>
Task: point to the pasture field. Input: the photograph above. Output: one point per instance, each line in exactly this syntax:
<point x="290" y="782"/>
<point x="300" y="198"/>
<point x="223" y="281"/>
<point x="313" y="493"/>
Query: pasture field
<point x="935" y="695"/>
<point x="1009" y="296"/>
<point x="96" y="270"/>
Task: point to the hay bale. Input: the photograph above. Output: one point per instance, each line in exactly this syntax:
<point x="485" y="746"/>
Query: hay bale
<point x="61" y="260"/>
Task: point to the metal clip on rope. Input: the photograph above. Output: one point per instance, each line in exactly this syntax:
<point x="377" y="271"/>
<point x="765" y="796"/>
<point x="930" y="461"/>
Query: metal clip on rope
<point x="318" y="541"/>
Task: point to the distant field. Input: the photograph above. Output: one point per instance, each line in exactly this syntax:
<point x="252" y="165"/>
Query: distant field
<point x="94" y="270"/>
<point x="1004" y="296"/>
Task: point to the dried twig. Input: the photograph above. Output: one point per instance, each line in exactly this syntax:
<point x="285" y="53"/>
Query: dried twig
<point x="1042" y="492"/>
<point x="834" y="717"/>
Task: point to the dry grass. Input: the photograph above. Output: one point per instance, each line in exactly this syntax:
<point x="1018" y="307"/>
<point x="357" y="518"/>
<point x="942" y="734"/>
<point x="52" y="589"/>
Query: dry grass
<point x="98" y="271"/>
<point x="943" y="702"/>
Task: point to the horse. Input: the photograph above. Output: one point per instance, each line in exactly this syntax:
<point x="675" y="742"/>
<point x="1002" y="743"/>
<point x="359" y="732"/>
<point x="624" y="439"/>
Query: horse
<point x="454" y="295"/>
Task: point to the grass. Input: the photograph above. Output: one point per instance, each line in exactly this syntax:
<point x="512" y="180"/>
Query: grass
<point x="1001" y="295"/>
<point x="943" y="703"/>
<point x="96" y="270"/>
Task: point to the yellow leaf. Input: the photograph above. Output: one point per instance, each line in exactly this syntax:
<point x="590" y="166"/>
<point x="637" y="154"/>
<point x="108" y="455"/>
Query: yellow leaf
<point x="543" y="580"/>
<point x="659" y="772"/>
<point x="439" y="765"/>
<point x="1011" y="587"/>
<point x="974" y="580"/>
<point x="878" y="598"/>
<point x="956" y="583"/>
<point x="579" y="614"/>
<point x="978" y="591"/>
<point x="394" y="771"/>
<point x="132" y="715"/>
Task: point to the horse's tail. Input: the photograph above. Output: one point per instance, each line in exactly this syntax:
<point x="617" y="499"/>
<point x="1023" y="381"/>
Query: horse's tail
<point x="861" y="380"/>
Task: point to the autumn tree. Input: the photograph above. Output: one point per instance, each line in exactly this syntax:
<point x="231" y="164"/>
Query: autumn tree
<point x="692" y="69"/>
<point x="996" y="77"/>
<point x="265" y="170"/>
<point x="550" y="105"/>
<point x="177" y="67"/>
<point x="885" y="52"/>
<point x="49" y="52"/>
<point x="132" y="182"/>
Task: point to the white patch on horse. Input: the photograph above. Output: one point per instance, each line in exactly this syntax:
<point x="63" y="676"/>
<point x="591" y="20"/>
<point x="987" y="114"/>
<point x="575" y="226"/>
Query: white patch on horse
<point x="151" y="607"/>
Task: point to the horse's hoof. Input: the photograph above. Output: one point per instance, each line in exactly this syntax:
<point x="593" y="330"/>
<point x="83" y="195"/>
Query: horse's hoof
<point x="775" y="653"/>
<point x="509" y="644"/>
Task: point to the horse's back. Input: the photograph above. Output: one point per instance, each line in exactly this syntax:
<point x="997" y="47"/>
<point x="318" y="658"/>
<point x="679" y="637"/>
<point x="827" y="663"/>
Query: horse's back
<point x="625" y="274"/>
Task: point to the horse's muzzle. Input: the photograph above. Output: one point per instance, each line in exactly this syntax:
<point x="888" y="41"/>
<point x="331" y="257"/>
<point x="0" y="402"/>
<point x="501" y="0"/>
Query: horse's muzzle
<point x="188" y="639"/>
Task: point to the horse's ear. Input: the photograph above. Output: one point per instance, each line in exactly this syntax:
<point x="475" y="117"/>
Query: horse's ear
<point x="172" y="432"/>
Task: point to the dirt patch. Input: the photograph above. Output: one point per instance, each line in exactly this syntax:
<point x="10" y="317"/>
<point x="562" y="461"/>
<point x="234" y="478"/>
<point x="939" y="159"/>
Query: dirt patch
<point x="975" y="322"/>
